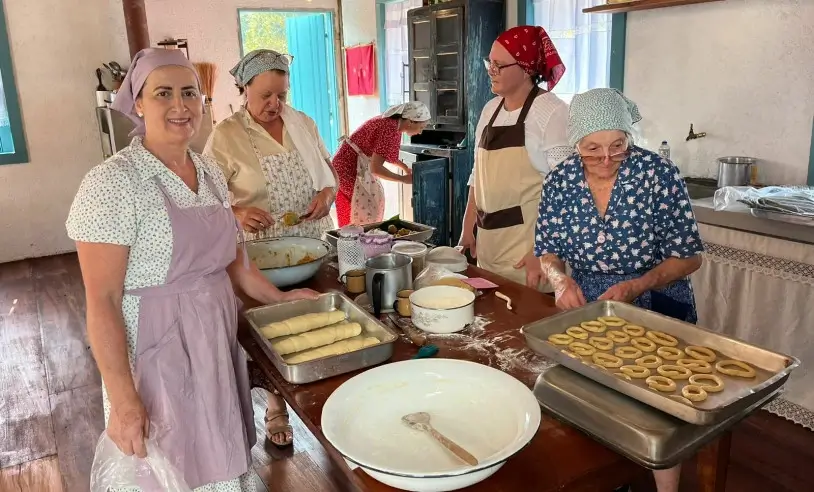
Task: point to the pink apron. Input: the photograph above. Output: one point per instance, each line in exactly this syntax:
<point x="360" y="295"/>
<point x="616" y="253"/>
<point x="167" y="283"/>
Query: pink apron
<point x="190" y="371"/>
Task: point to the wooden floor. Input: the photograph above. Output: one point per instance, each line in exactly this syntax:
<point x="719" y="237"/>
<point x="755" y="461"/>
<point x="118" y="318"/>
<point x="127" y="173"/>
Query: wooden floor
<point x="51" y="409"/>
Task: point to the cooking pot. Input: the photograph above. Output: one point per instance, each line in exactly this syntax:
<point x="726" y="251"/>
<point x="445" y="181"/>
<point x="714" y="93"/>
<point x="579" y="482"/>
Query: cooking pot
<point x="735" y="171"/>
<point x="387" y="274"/>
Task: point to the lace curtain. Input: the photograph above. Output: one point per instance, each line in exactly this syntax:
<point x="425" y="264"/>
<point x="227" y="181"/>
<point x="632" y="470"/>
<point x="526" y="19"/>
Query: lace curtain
<point x="395" y="46"/>
<point x="583" y="41"/>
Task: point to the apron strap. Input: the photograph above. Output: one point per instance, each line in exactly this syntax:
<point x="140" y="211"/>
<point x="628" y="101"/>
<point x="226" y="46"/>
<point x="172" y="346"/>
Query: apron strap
<point x="521" y="120"/>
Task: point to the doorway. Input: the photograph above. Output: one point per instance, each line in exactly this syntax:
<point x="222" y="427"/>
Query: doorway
<point x="308" y="36"/>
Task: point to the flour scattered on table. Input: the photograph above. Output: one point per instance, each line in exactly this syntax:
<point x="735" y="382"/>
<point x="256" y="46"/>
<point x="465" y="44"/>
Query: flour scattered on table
<point x="475" y="339"/>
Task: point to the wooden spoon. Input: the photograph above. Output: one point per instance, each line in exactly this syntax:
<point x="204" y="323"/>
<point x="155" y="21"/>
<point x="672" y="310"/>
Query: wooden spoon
<point x="421" y="421"/>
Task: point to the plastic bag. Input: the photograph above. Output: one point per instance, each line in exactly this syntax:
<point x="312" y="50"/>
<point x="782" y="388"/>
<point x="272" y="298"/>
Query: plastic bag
<point x="784" y="199"/>
<point x="112" y="469"/>
<point x="433" y="273"/>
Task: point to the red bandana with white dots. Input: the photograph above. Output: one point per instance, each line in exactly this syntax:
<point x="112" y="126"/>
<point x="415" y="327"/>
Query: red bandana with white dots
<point x="533" y="50"/>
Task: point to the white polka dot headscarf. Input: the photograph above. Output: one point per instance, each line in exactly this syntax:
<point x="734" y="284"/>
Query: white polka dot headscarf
<point x="413" y="111"/>
<point x="598" y="110"/>
<point x="257" y="62"/>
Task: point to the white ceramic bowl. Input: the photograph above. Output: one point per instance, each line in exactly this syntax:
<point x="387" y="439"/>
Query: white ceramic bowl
<point x="489" y="413"/>
<point x="288" y="260"/>
<point x="442" y="308"/>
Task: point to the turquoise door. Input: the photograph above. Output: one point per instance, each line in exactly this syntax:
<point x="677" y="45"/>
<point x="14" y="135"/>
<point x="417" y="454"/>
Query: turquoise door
<point x="313" y="72"/>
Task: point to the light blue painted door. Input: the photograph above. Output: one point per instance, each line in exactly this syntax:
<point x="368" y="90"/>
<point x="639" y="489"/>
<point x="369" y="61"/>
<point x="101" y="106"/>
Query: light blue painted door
<point x="313" y="72"/>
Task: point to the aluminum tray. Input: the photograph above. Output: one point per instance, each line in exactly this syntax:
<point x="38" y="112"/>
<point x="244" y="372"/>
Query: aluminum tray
<point x="325" y="367"/>
<point x="773" y="369"/>
<point x="783" y="217"/>
<point x="644" y="435"/>
<point x="421" y="233"/>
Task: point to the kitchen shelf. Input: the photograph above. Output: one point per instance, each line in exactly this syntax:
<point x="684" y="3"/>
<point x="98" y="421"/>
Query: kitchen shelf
<point x="616" y="8"/>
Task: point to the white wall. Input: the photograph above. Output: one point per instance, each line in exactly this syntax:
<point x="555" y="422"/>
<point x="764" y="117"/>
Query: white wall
<point x="740" y="70"/>
<point x="358" y="27"/>
<point x="56" y="45"/>
<point x="213" y="33"/>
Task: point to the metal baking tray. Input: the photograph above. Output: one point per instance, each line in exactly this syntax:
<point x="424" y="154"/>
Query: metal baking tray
<point x="421" y="233"/>
<point x="325" y="367"/>
<point x="642" y="434"/>
<point x="805" y="220"/>
<point x="773" y="369"/>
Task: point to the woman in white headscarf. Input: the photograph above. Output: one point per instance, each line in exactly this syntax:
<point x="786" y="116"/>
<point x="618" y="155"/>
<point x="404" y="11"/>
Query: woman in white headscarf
<point x="359" y="163"/>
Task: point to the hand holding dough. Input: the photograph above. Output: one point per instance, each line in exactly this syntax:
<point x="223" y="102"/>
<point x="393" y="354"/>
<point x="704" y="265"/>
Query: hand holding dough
<point x="337" y="348"/>
<point x="301" y="324"/>
<point x="317" y="338"/>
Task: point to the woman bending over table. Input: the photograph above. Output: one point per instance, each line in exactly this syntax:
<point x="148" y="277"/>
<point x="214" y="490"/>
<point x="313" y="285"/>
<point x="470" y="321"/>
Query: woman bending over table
<point x="620" y="217"/>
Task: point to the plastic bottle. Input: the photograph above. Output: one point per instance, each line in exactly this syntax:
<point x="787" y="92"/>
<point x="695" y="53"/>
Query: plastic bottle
<point x="664" y="150"/>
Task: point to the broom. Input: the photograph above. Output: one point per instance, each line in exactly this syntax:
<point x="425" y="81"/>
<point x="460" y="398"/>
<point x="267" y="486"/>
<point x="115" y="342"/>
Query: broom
<point x="207" y="72"/>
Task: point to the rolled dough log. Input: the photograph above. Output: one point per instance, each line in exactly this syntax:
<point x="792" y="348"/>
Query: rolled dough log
<point x="301" y="324"/>
<point x="338" y="348"/>
<point x="317" y="338"/>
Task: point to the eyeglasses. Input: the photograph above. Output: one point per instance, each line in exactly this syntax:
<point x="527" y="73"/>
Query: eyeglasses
<point x="493" y="68"/>
<point x="599" y="159"/>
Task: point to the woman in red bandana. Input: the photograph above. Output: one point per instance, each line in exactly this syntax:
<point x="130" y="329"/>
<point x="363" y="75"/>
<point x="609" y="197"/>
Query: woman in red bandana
<point x="521" y="134"/>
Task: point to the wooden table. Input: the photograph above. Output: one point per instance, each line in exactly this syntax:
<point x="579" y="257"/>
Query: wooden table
<point x="558" y="458"/>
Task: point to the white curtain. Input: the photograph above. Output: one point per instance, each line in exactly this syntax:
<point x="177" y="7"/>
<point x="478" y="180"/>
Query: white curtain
<point x="395" y="46"/>
<point x="583" y="41"/>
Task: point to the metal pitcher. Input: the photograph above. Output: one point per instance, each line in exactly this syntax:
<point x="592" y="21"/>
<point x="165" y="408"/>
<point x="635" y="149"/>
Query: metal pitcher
<point x="387" y="274"/>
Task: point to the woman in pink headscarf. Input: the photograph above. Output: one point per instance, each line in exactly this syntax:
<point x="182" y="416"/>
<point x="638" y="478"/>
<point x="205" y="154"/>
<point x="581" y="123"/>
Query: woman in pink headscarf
<point x="157" y="243"/>
<point x="521" y="133"/>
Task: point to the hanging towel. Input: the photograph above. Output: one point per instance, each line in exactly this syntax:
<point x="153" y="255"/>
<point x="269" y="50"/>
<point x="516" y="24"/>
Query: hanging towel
<point x="361" y="68"/>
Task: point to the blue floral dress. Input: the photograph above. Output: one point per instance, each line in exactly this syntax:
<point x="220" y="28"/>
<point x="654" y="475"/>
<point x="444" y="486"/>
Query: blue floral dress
<point x="649" y="218"/>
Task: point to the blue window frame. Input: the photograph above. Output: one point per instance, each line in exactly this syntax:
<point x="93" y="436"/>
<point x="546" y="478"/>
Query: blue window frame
<point x="12" y="137"/>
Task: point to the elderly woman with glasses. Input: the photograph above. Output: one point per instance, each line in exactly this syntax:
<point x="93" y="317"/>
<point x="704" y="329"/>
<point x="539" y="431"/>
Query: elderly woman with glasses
<point x="521" y="136"/>
<point x="620" y="217"/>
<point x="277" y="169"/>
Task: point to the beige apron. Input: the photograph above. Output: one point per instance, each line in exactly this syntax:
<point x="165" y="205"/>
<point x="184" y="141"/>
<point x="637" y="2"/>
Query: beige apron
<point x="507" y="196"/>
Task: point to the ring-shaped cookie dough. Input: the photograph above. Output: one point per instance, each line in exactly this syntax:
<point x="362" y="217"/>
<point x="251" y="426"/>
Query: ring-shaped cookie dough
<point x="644" y="344"/>
<point x="740" y="369"/>
<point x="593" y="326"/>
<point x="703" y="380"/>
<point x="636" y="372"/>
<point x="607" y="360"/>
<point x="660" y="383"/>
<point x="694" y="393"/>
<point x="629" y="353"/>
<point x="662" y="338"/>
<point x="670" y="353"/>
<point x="601" y="343"/>
<point x="560" y="339"/>
<point x="674" y="372"/>
<point x="577" y="332"/>
<point x="614" y="321"/>
<point x="695" y="365"/>
<point x="634" y="330"/>
<point x="618" y="336"/>
<point x="581" y="348"/>
<point x="700" y="353"/>
<point x="649" y="361"/>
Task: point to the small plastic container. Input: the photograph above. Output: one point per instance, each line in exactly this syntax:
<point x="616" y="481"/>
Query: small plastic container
<point x="375" y="243"/>
<point x="415" y="250"/>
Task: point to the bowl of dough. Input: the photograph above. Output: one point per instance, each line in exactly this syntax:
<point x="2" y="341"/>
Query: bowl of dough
<point x="488" y="413"/>
<point x="288" y="261"/>
<point x="442" y="308"/>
